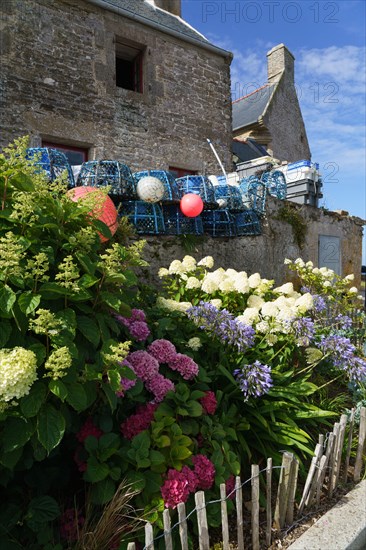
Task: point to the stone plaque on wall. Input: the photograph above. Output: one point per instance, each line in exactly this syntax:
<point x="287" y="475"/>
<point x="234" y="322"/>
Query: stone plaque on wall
<point x="330" y="253"/>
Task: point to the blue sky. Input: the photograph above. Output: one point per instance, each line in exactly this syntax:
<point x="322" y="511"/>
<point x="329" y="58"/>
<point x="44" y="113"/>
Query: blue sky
<point x="328" y="42"/>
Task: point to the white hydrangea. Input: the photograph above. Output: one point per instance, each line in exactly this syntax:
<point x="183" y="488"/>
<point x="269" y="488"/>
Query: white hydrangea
<point x="189" y="263"/>
<point x="309" y="264"/>
<point x="227" y="285"/>
<point x="209" y="286"/>
<point x="255" y="301"/>
<point x="269" y="309"/>
<point x="300" y="262"/>
<point x="163" y="272"/>
<point x="250" y="316"/>
<point x="262" y="327"/>
<point x="176" y="267"/>
<point x="18" y="371"/>
<point x="287" y="288"/>
<point x="353" y="290"/>
<point x="193" y="282"/>
<point x="349" y="277"/>
<point x="207" y="261"/>
<point x="254" y="280"/>
<point x="287" y="261"/>
<point x="286" y="314"/>
<point x="241" y="284"/>
<point x="327" y="284"/>
<point x="172" y="305"/>
<point x="232" y="273"/>
<point x="271" y="339"/>
<point x="218" y="275"/>
<point x="264" y="286"/>
<point x="304" y="303"/>
<point x="216" y="302"/>
<point x="194" y="343"/>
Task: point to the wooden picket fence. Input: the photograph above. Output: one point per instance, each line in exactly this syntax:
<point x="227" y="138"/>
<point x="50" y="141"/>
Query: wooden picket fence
<point x="323" y="478"/>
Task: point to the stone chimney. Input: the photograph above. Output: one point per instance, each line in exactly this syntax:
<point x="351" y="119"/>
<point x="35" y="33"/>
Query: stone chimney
<point x="280" y="60"/>
<point x="172" y="6"/>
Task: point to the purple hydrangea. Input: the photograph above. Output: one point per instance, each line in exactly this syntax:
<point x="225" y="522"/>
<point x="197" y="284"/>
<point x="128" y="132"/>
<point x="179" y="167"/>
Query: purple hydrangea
<point x="223" y="325"/>
<point x="343" y="321"/>
<point x="185" y="365"/>
<point x="144" y="364"/>
<point x="254" y="380"/>
<point x="319" y="304"/>
<point x="163" y="350"/>
<point x="159" y="386"/>
<point x="341" y="352"/>
<point x="304" y="330"/>
<point x="139" y="330"/>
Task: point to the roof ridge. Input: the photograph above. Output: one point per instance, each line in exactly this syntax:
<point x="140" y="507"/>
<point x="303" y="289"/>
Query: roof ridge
<point x="251" y="93"/>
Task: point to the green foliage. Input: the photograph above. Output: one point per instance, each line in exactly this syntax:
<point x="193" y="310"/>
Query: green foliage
<point x="290" y="214"/>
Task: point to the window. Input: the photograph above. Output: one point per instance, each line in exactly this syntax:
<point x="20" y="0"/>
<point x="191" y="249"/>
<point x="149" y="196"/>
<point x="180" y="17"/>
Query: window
<point x="129" y="66"/>
<point x="180" y="172"/>
<point x="75" y="155"/>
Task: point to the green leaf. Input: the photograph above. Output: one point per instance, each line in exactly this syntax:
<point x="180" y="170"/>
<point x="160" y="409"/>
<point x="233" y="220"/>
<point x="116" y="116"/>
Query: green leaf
<point x="86" y="263"/>
<point x="103" y="491"/>
<point x="96" y="471"/>
<point x="89" y="329"/>
<point x="42" y="509"/>
<point x="194" y="408"/>
<point x="9" y="460"/>
<point x="5" y="332"/>
<point x="51" y="427"/>
<point x="76" y="397"/>
<point x="136" y="480"/>
<point x="111" y="396"/>
<point x="162" y="441"/>
<point x="110" y="440"/>
<point x="31" y="403"/>
<point x="7" y="298"/>
<point x="17" y="431"/>
<point x="28" y="302"/>
<point x="180" y="453"/>
<point x="87" y="280"/>
<point x="156" y="458"/>
<point x="111" y="300"/>
<point x="58" y="388"/>
<point x="52" y="291"/>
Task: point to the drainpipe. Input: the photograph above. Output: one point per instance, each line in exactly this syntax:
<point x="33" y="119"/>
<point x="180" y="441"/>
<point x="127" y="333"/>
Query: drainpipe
<point x="159" y="27"/>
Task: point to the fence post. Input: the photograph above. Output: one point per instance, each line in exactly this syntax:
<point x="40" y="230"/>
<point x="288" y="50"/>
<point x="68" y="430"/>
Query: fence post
<point x="332" y="458"/>
<point x="149" y="536"/>
<point x="167" y="532"/>
<point x="349" y="446"/>
<point x="131" y="546"/>
<point x="269" y="501"/>
<point x="338" y="452"/>
<point x="183" y="531"/>
<point x="292" y="491"/>
<point x="361" y="443"/>
<point x="224" y="520"/>
<point x="311" y="473"/>
<point x="203" y="538"/>
<point x="282" y="492"/>
<point x="239" y="512"/>
<point x="255" y="506"/>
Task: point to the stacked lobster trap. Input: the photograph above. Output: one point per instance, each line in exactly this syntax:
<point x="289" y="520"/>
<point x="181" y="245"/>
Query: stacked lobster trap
<point x="229" y="209"/>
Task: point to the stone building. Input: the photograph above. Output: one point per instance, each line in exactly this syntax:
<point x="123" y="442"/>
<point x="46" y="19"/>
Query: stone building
<point x="116" y="79"/>
<point x="271" y="115"/>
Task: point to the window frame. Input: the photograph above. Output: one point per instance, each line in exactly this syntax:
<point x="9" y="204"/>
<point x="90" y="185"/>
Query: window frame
<point x="64" y="148"/>
<point x="132" y="53"/>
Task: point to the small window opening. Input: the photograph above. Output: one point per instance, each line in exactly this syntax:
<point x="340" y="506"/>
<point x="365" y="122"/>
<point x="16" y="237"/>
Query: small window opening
<point x="129" y="66"/>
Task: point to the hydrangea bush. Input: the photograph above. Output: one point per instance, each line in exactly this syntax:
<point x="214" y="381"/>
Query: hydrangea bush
<point x="103" y="383"/>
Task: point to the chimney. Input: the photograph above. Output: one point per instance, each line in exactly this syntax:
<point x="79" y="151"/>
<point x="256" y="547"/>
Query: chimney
<point x="280" y="60"/>
<point x="172" y="6"/>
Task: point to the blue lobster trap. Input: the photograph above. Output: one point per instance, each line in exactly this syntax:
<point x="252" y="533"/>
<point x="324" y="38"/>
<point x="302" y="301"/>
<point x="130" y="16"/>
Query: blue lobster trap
<point x="52" y="161"/>
<point x="147" y="217"/>
<point x="100" y="173"/>
<point x="231" y="195"/>
<point x="275" y="183"/>
<point x="218" y="223"/>
<point x="199" y="185"/>
<point x="247" y="223"/>
<point x="254" y="194"/>
<point x="177" y="223"/>
<point x="171" y="190"/>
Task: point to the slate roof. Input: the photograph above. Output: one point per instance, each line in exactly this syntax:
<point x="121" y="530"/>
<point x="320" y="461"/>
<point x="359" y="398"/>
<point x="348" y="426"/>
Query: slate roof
<point x="249" y="108"/>
<point x="248" y="150"/>
<point x="155" y="15"/>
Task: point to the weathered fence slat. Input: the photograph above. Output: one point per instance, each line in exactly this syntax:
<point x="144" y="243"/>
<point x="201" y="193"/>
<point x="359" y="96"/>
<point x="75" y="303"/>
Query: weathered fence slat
<point x="203" y="538"/>
<point x="338" y="451"/>
<point x="269" y="501"/>
<point x="149" y="536"/>
<point x="311" y="473"/>
<point x="239" y="512"/>
<point x="320" y="477"/>
<point x="349" y="445"/>
<point x="292" y="491"/>
<point x="361" y="444"/>
<point x="332" y="458"/>
<point x="183" y="530"/>
<point x="255" y="506"/>
<point x="131" y="546"/>
<point x="167" y="533"/>
<point x="224" y="518"/>
<point x="282" y="492"/>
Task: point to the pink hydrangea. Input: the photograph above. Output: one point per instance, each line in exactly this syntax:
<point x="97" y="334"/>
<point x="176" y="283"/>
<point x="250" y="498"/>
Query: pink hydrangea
<point x="230" y="486"/>
<point x="145" y="365"/>
<point x="139" y="331"/>
<point x="71" y="522"/>
<point x="191" y="478"/>
<point x="185" y="365"/>
<point x="174" y="491"/>
<point x="139" y="421"/>
<point x="204" y="471"/>
<point x="163" y="350"/>
<point x="159" y="386"/>
<point x="209" y="402"/>
<point x="88" y="428"/>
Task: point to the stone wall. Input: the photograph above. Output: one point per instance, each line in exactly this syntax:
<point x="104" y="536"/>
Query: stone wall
<point x="266" y="253"/>
<point x="58" y="84"/>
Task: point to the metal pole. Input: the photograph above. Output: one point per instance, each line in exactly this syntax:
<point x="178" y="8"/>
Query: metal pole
<point x="218" y="160"/>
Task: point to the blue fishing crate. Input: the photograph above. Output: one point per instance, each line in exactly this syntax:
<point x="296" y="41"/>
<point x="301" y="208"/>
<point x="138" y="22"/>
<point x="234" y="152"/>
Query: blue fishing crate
<point x="101" y="173"/>
<point x="218" y="223"/>
<point x="147" y="217"/>
<point x="275" y="183"/>
<point x="171" y="189"/>
<point x="199" y="185"/>
<point x="247" y="223"/>
<point x="176" y="223"/>
<point x="52" y="161"/>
